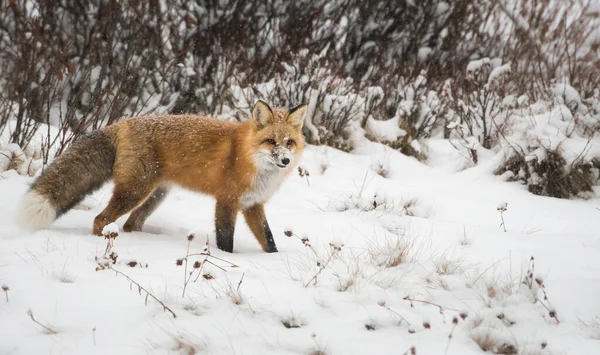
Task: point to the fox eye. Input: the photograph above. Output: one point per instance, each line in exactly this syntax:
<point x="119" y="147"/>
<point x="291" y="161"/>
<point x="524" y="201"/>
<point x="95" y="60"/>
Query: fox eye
<point x="271" y="141"/>
<point x="290" y="142"/>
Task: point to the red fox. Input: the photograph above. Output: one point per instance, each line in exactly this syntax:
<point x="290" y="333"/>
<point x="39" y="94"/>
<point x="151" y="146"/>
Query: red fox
<point x="240" y="164"/>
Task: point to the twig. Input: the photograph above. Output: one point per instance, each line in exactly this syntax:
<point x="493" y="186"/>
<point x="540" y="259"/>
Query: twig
<point x="140" y="287"/>
<point x="551" y="312"/>
<point x="94" y="335"/>
<point x="190" y="238"/>
<point x="402" y="319"/>
<point x="455" y="322"/>
<point x="304" y="241"/>
<point x="322" y="267"/>
<point x="240" y="283"/>
<point x="442" y="308"/>
<point x="208" y="254"/>
<point x="304" y="173"/>
<point x="502" y="208"/>
<point x="48" y="329"/>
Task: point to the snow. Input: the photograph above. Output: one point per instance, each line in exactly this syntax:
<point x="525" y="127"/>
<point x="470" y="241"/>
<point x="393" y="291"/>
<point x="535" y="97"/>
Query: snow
<point x="385" y="131"/>
<point x="111" y="228"/>
<point x="368" y="281"/>
<point x="567" y="94"/>
<point x="476" y="65"/>
<point x="594" y="8"/>
<point x="498" y="72"/>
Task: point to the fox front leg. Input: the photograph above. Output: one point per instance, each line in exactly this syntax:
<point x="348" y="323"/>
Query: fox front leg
<point x="257" y="222"/>
<point x="225" y="217"/>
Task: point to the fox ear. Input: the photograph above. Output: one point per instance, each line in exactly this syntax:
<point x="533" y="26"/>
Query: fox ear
<point x="296" y="116"/>
<point x="261" y="114"/>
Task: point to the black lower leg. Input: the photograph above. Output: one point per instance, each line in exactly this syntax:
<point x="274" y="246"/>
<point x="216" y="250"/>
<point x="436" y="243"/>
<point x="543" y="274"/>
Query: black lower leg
<point x="225" y="217"/>
<point x="271" y="247"/>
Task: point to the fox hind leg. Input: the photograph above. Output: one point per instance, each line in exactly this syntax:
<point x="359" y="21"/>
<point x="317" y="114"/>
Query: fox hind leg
<point x="140" y="214"/>
<point x="123" y="200"/>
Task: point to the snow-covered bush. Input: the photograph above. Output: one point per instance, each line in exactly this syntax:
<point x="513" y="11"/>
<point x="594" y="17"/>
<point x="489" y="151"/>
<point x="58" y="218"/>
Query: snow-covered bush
<point x="475" y="104"/>
<point x="552" y="146"/>
<point x="549" y="143"/>
<point x="80" y="67"/>
<point x="416" y="117"/>
<point x="26" y="163"/>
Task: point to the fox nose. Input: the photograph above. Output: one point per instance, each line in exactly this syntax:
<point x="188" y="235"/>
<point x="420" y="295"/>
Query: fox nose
<point x="285" y="161"/>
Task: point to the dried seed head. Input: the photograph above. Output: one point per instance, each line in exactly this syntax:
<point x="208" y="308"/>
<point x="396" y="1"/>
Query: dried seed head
<point x="454" y="320"/>
<point x="411" y="330"/>
<point x="552" y="313"/>
<point x="5" y="288"/>
<point x="197" y="264"/>
<point x="539" y="281"/>
<point x="544" y="345"/>
<point x="426" y="325"/>
<point x="381" y="303"/>
<point x="179" y="262"/>
<point x="288" y="233"/>
<point x="207" y="276"/>
<point x="190" y="237"/>
<point x="463" y="315"/>
<point x="132" y="263"/>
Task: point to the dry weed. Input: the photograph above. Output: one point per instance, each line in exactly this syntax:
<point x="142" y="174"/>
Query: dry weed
<point x="448" y="265"/>
<point x="591" y="327"/>
<point x="395" y="250"/>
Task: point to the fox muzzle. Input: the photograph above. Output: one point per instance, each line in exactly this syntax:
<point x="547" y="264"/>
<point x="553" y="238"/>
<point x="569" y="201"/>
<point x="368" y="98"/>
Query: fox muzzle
<point x="282" y="156"/>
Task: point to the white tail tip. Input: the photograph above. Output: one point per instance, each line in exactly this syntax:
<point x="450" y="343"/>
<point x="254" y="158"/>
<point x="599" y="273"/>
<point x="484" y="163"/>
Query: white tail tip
<point x="35" y="212"/>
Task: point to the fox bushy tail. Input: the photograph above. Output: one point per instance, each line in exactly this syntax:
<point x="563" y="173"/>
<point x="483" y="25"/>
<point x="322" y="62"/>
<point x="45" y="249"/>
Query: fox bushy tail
<point x="81" y="169"/>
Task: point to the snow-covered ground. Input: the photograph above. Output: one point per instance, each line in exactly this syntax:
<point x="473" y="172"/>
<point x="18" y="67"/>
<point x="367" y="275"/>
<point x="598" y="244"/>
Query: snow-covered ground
<point x="417" y="258"/>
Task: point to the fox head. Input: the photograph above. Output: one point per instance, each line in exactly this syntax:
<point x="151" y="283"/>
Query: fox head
<point x="277" y="134"/>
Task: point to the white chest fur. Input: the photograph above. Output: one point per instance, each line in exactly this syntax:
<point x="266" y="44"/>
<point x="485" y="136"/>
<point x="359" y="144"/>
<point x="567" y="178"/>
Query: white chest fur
<point x="268" y="178"/>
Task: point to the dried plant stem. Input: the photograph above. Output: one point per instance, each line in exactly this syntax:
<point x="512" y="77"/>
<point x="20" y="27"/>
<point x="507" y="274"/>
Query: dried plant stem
<point x="321" y="268"/>
<point x="199" y="265"/>
<point x="240" y="283"/>
<point x="186" y="279"/>
<point x="441" y="308"/>
<point x="140" y="287"/>
<point x="209" y="255"/>
<point x="551" y="312"/>
<point x="402" y="319"/>
<point x="306" y="243"/>
<point x="48" y="329"/>
<point x="449" y="339"/>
